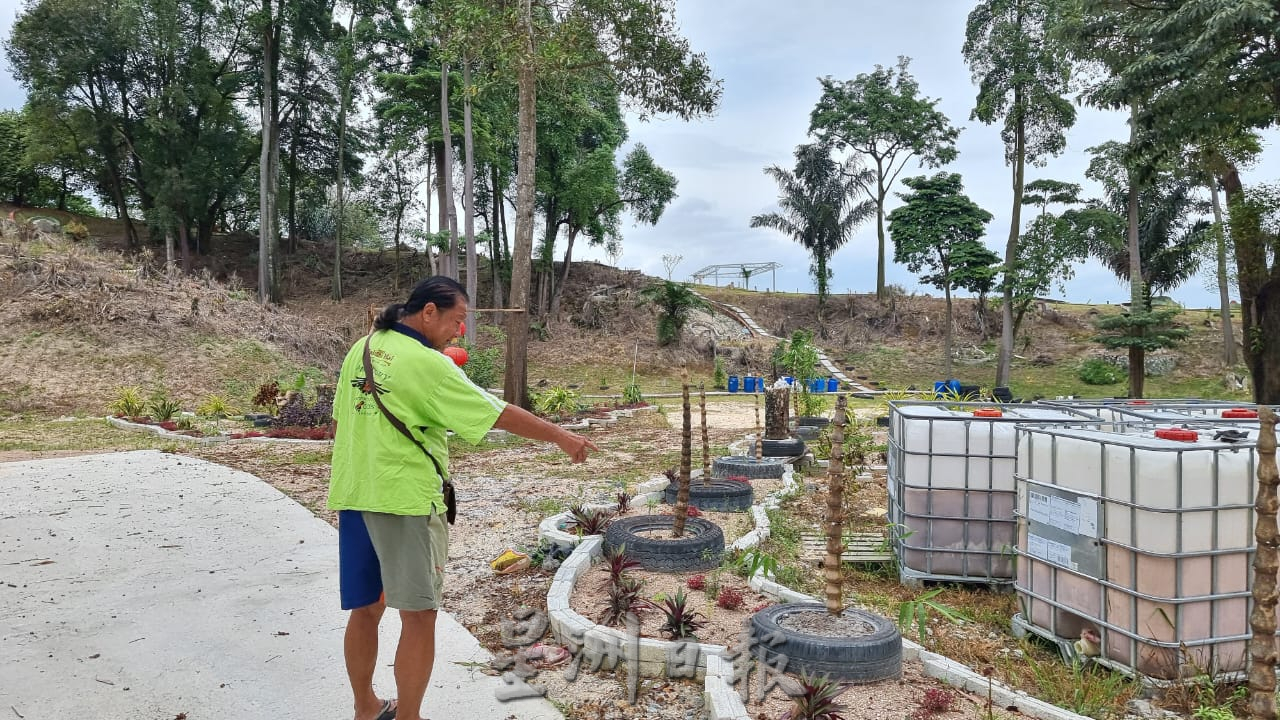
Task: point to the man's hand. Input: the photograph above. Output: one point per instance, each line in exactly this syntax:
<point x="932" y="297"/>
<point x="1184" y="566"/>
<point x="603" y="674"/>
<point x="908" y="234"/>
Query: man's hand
<point x="576" y="446"/>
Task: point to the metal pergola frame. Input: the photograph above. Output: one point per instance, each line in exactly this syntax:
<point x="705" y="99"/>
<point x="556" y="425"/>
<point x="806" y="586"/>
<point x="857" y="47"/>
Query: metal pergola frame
<point x="735" y="271"/>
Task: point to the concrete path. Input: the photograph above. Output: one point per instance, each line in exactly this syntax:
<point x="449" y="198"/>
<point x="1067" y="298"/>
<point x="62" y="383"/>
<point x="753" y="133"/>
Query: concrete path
<point x="146" y="586"/>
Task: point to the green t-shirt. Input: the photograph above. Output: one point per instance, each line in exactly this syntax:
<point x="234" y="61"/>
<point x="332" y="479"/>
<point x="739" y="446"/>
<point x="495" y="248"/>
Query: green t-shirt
<point x="375" y="467"/>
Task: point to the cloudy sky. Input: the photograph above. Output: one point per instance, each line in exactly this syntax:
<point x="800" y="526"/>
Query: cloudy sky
<point x="769" y="55"/>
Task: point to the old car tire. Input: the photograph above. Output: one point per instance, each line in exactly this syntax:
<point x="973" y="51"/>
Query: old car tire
<point x="730" y="465"/>
<point x="717" y="494"/>
<point x="700" y="548"/>
<point x="864" y="659"/>
<point x="789" y="448"/>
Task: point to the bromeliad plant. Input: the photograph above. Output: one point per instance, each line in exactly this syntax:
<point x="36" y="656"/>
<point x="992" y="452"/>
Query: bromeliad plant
<point x="682" y="621"/>
<point x="815" y="699"/>
<point x="586" y="521"/>
<point x="623" y="593"/>
<point x="619" y="563"/>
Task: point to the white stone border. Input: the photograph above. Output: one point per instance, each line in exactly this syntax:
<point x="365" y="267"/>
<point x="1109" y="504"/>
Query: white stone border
<point x="568" y="625"/>
<point x="722" y="701"/>
<point x="157" y="430"/>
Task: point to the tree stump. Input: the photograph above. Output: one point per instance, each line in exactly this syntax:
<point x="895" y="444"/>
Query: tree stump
<point x="776" y="408"/>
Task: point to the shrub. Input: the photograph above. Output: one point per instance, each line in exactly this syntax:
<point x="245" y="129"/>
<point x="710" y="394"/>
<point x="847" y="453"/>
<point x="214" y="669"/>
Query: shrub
<point x="729" y="598"/>
<point x="1096" y="371"/>
<point x="681" y="621"/>
<point x="588" y="522"/>
<point x="162" y="407"/>
<point x="935" y="701"/>
<point x="297" y="413"/>
<point x="128" y="401"/>
<point x="631" y="394"/>
<point x="556" y="402"/>
<point x="265" y="398"/>
<point x="697" y="582"/>
<point x="214" y="406"/>
<point x="483" y="366"/>
<point x="76" y="230"/>
<point x="719" y="378"/>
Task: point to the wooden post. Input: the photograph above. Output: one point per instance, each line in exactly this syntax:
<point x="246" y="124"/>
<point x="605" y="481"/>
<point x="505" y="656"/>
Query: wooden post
<point x="706" y="446"/>
<point x="686" y="448"/>
<point x="831" y="566"/>
<point x="1262" y="648"/>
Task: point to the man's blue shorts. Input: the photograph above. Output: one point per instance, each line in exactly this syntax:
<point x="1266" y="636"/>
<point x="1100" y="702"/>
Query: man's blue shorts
<point x="359" y="574"/>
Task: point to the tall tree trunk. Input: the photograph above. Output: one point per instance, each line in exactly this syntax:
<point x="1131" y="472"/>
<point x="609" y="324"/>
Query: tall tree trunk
<point x="681" y="509"/>
<point x="496" y="262"/>
<point x="442" y="213"/>
<point x="168" y="251"/>
<point x="1262" y="619"/>
<point x="269" y="166"/>
<point x="880" y="196"/>
<point x="295" y="140"/>
<point x="834" y="521"/>
<point x="469" y="199"/>
<point x="1224" y="295"/>
<point x="515" y="378"/>
<point x="449" y="214"/>
<point x="1137" y="293"/>
<point x="564" y="274"/>
<point x="184" y="245"/>
<point x="1004" y="364"/>
<point x="344" y="99"/>
<point x="947" y="339"/>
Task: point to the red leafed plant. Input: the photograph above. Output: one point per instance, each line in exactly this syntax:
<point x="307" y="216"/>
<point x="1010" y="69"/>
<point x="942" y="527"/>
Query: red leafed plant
<point x="169" y="425"/>
<point x="933" y="702"/>
<point x="730" y="598"/>
<point x="697" y="582"/>
<point x="694" y="511"/>
<point x="295" y="432"/>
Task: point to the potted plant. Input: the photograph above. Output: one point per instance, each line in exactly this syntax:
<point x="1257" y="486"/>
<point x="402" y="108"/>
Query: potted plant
<point x="690" y="543"/>
<point x="713" y="492"/>
<point x="828" y="638"/>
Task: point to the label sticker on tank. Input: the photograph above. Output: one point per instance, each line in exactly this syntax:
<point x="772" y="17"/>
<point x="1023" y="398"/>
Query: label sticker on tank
<point x="1048" y="550"/>
<point x="1062" y="513"/>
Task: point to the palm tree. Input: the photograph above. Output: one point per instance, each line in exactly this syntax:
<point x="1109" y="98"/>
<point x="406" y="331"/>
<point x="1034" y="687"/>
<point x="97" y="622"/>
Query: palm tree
<point x="820" y="206"/>
<point x="675" y="301"/>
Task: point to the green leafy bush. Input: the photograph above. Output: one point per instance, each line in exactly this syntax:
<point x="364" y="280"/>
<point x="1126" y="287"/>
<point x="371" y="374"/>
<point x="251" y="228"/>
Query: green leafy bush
<point x="162" y="407"/>
<point x="1096" y="371"/>
<point x="556" y="402"/>
<point x="128" y="402"/>
<point x="483" y="366"/>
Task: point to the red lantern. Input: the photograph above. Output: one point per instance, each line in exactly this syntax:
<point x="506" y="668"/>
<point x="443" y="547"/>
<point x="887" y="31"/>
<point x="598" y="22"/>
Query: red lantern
<point x="462" y="330"/>
<point x="457" y="354"/>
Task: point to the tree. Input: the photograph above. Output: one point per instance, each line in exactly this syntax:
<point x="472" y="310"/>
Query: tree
<point x="820" y="207"/>
<point x="670" y="261"/>
<point x="674" y="302"/>
<point x="1197" y="69"/>
<point x="654" y="69"/>
<point x="939" y="229"/>
<point x="1022" y="75"/>
<point x="1045" y="261"/>
<point x="882" y="116"/>
<point x="1171" y="238"/>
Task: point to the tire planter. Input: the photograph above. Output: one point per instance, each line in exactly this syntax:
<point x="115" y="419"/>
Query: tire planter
<point x="701" y="547"/>
<point x="868" y="658"/>
<point x="808" y="433"/>
<point x="717" y="494"/>
<point x="812" y="421"/>
<point x="791" y="447"/>
<point x="767" y="468"/>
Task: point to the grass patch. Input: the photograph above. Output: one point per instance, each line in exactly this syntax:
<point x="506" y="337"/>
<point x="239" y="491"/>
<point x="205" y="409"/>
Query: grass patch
<point x="43" y="435"/>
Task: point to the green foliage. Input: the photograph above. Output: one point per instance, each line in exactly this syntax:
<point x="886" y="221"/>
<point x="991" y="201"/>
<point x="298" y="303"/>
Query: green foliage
<point x="1096" y="371"/>
<point x="163" y="407"/>
<point x="215" y="406"/>
<point x="754" y="560"/>
<point x="918" y="610"/>
<point x="820" y="205"/>
<point x="939" y="229"/>
<point x="76" y="230"/>
<point x="483" y="367"/>
<point x="1146" y="329"/>
<point x="558" y="402"/>
<point x="799" y="357"/>
<point x="882" y="116"/>
<point x="674" y="302"/>
<point x="1085" y="689"/>
<point x="631" y="393"/>
<point x="810" y="404"/>
<point x="128" y="401"/>
<point x="584" y="521"/>
<point x="1211" y="709"/>
<point x="719" y="378"/>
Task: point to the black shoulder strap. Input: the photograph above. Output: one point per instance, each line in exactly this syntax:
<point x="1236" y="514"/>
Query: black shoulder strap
<point x="371" y="387"/>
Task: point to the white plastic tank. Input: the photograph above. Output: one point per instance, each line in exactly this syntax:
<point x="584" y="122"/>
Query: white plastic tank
<point x="951" y="486"/>
<point x="1142" y="535"/>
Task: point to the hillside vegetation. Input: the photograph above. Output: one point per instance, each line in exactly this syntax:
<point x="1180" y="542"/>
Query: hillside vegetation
<point x="81" y="319"/>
